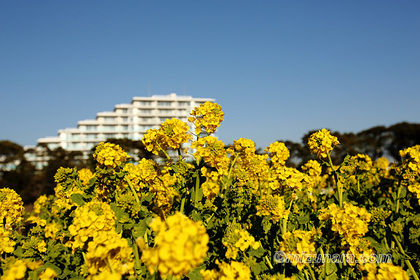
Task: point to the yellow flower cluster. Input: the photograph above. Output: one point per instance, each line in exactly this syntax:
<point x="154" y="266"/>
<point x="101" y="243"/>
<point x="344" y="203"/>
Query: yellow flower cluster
<point x="151" y="141"/>
<point x="278" y="153"/>
<point x="51" y="229"/>
<point x="211" y="187"/>
<point x="143" y="174"/>
<point x="411" y="157"/>
<point x="299" y="246"/>
<point x="85" y="175"/>
<point x="108" y="251"/>
<point x="360" y="252"/>
<point x="251" y="170"/>
<point x="357" y="164"/>
<point x="174" y="133"/>
<point x="47" y="274"/>
<point x="312" y="168"/>
<point x="414" y="187"/>
<point x="171" y="134"/>
<point x="106" y="275"/>
<point x="245" y="147"/>
<point x="226" y="271"/>
<point x="11" y="207"/>
<point x="381" y="166"/>
<point x="211" y="151"/>
<point x="273" y="205"/>
<point x="180" y="246"/>
<point x="290" y="178"/>
<point x="351" y="221"/>
<point x="386" y="271"/>
<point x="236" y="238"/>
<point x="40" y="203"/>
<point x="90" y="219"/>
<point x="16" y="272"/>
<point x="110" y="155"/>
<point x="164" y="193"/>
<point x="7" y="244"/>
<point x="322" y="143"/>
<point x="208" y="117"/>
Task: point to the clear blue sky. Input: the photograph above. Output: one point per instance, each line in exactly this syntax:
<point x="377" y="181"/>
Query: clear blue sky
<point x="278" y="68"/>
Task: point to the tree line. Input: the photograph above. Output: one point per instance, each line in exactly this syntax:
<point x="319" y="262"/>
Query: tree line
<point x="30" y="182"/>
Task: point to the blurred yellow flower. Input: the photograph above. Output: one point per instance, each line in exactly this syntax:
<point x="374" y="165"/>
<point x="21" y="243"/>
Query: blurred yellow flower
<point x="180" y="246"/>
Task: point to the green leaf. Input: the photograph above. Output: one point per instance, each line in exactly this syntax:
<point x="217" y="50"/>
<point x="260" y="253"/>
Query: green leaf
<point x="119" y="212"/>
<point x="403" y="192"/>
<point x="303" y="219"/>
<point x="331" y="268"/>
<point x="140" y="229"/>
<point x="266" y="226"/>
<point x="78" y="199"/>
<point x="333" y="276"/>
<point x="256" y="252"/>
<point x="196" y="216"/>
<point x="256" y="269"/>
<point x="49" y="265"/>
<point x="195" y="274"/>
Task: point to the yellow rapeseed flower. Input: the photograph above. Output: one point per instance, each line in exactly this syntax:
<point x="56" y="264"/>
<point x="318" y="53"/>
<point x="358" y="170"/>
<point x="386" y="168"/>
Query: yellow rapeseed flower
<point x="386" y="271"/>
<point x="11" y="207"/>
<point x="107" y="249"/>
<point x="237" y="239"/>
<point x="278" y="153"/>
<point x="85" y="175"/>
<point x="47" y="274"/>
<point x="211" y="151"/>
<point x="350" y="221"/>
<point x="208" y="117"/>
<point x="299" y="246"/>
<point x="226" y="271"/>
<point x="110" y="155"/>
<point x="322" y="143"/>
<point x="180" y="246"/>
<point x="90" y="219"/>
<point x="7" y="244"/>
<point x="16" y="271"/>
<point x="274" y="206"/>
<point x="174" y="133"/>
<point x="411" y="158"/>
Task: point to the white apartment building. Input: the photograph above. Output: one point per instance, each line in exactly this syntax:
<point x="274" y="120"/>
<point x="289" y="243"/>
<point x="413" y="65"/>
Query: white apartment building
<point x="130" y="121"/>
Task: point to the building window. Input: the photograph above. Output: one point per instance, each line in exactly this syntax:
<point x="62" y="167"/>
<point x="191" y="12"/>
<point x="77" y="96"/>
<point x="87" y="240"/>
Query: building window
<point x="184" y="103"/>
<point x="109" y="119"/>
<point x="164" y="103"/>
<point x="166" y="112"/>
<point x="90" y="127"/>
<point x="146" y="120"/>
<point x="145" y="111"/>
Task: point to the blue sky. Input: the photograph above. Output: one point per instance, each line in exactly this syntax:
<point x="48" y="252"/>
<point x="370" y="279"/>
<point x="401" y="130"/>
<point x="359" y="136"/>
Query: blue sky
<point x="278" y="68"/>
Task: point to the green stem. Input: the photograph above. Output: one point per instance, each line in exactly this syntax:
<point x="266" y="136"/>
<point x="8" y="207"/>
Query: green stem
<point x="311" y="271"/>
<point x="132" y="188"/>
<point x="136" y="256"/>
<point x="339" y="185"/>
<point x="182" y="205"/>
<point x="284" y="227"/>
<point x="407" y="262"/>
<point x="398" y="197"/>
<point x="197" y="186"/>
